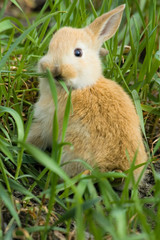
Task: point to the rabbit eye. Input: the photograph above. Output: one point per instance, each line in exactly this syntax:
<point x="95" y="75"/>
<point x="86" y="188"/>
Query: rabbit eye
<point x="78" y="52"/>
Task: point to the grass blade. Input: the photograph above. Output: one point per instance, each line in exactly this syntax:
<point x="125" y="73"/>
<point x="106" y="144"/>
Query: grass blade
<point x="139" y="111"/>
<point x="6" y="200"/>
<point x="18" y="120"/>
<point x="53" y="88"/>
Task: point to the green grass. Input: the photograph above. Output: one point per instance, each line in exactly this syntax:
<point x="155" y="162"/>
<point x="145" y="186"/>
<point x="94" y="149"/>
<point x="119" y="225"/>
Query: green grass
<point x="87" y="203"/>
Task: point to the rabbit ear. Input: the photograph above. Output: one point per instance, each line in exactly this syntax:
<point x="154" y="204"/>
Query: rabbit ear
<point x="105" y="26"/>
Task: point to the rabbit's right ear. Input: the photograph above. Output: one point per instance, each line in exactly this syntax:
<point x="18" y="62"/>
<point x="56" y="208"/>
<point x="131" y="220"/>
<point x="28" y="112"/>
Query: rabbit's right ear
<point x="105" y="26"/>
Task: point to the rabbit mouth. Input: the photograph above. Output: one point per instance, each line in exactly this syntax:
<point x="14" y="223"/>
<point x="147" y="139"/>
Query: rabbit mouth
<point x="59" y="78"/>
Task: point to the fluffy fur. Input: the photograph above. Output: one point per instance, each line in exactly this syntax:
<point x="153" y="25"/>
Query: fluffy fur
<point x="103" y="124"/>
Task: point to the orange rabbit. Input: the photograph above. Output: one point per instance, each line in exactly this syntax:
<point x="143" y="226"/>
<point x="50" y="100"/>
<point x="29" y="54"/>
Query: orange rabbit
<point x="103" y="125"/>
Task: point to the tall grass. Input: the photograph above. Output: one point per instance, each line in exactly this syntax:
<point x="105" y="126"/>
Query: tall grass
<point x="88" y="203"/>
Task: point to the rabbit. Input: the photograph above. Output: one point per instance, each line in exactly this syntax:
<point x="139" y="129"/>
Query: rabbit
<point x="103" y="125"/>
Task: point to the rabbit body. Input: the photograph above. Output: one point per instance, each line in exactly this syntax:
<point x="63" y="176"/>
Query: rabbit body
<point x="103" y="125"/>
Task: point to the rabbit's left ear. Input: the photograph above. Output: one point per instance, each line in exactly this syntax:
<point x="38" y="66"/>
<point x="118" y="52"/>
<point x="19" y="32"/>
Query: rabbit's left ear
<point x="105" y="26"/>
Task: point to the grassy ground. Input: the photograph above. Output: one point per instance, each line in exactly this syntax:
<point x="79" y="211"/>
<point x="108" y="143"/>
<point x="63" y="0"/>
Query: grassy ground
<point x="33" y="205"/>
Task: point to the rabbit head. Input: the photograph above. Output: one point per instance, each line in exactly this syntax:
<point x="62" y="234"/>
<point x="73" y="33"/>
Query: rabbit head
<point x="73" y="54"/>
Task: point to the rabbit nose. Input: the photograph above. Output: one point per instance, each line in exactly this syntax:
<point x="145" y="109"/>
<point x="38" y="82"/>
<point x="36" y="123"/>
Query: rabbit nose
<point x="56" y="70"/>
<point x="56" y="73"/>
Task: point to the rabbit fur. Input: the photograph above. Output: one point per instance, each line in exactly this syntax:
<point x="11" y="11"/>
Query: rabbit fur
<point x="103" y="124"/>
